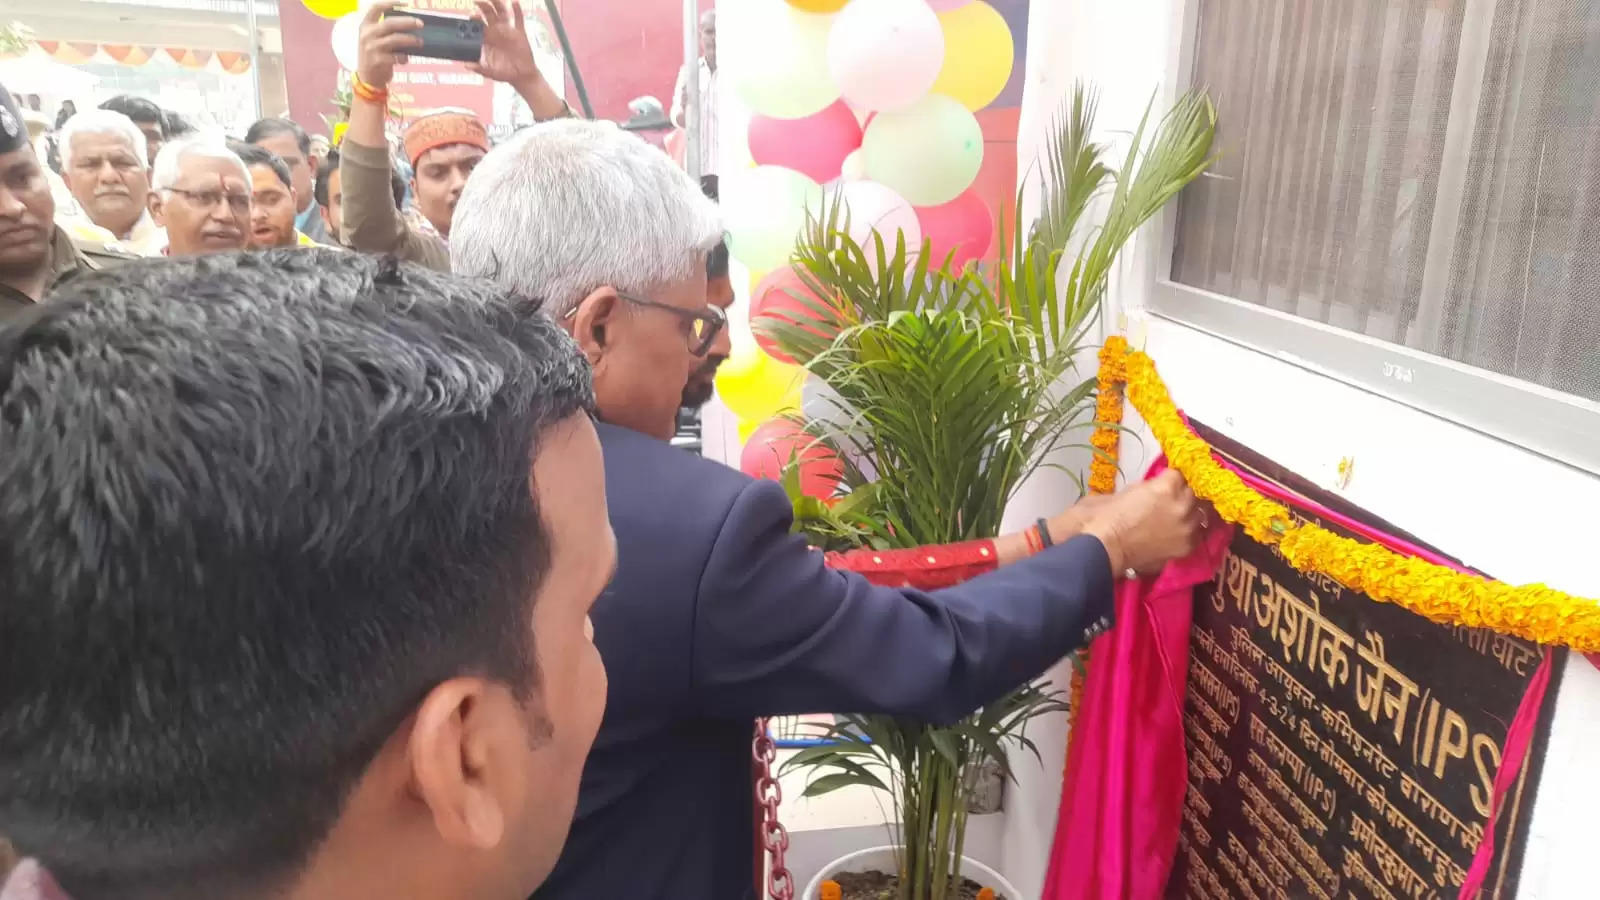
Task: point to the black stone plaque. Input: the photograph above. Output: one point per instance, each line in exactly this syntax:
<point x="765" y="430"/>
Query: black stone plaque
<point x="1340" y="747"/>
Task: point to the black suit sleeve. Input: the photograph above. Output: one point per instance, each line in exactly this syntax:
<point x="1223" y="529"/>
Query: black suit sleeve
<point x="776" y="631"/>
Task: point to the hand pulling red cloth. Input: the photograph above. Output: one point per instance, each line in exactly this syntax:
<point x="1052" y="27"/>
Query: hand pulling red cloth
<point x="1127" y="770"/>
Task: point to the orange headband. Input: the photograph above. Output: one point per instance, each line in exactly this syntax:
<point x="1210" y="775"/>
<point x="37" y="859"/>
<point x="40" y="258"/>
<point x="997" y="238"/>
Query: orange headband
<point x="442" y="128"/>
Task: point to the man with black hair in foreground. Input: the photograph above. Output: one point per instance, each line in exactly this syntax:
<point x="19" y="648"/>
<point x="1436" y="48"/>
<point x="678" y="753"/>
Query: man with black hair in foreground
<point x="299" y="552"/>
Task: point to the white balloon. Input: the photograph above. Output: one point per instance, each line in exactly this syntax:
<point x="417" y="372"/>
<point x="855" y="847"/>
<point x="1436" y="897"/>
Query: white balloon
<point x="764" y="210"/>
<point x="346" y="39"/>
<point x="874" y="207"/>
<point x="855" y="167"/>
<point x="822" y="405"/>
<point x="885" y="54"/>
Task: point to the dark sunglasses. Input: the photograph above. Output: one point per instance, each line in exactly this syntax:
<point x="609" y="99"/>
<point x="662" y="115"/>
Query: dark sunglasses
<point x="704" y="324"/>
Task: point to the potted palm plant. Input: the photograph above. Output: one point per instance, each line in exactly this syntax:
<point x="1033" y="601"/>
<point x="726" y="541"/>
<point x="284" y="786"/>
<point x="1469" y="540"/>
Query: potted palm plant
<point x="946" y="389"/>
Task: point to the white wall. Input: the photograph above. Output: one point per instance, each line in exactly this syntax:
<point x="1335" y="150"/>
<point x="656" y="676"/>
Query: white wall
<point x="1120" y="47"/>
<point x="1518" y="516"/>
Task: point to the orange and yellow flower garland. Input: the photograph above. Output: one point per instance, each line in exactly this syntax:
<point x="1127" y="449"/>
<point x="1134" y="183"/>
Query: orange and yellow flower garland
<point x="1108" y="417"/>
<point x="1534" y="612"/>
<point x="1106" y="439"/>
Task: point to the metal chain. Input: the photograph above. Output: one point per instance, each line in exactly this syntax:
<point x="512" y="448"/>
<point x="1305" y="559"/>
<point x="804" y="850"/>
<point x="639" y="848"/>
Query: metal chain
<point x="780" y="884"/>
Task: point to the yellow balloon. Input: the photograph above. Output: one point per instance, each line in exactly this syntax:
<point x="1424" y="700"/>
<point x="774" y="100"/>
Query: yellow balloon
<point x="331" y="9"/>
<point x="818" y="6"/>
<point x="746" y="428"/>
<point x="978" y="53"/>
<point x="756" y="387"/>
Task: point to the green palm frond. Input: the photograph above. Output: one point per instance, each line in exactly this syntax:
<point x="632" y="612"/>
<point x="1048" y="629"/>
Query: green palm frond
<point x="951" y="387"/>
<point x="1073" y="172"/>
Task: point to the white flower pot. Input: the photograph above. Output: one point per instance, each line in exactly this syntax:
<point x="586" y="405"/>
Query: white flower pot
<point x="881" y="859"/>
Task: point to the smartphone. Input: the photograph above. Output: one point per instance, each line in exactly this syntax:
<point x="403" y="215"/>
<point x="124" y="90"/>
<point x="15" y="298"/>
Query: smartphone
<point x="447" y="37"/>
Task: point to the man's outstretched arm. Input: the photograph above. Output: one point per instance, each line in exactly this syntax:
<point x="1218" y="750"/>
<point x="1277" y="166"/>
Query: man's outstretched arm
<point x="777" y="631"/>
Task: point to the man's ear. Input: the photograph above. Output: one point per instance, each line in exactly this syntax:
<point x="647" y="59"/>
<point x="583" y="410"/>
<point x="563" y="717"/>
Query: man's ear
<point x="154" y="202"/>
<point x="452" y="751"/>
<point x="594" y="320"/>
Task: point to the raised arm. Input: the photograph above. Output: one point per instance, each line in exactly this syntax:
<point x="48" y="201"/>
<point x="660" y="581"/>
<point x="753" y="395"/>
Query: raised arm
<point x="508" y="57"/>
<point x="777" y="631"/>
<point x="370" y="221"/>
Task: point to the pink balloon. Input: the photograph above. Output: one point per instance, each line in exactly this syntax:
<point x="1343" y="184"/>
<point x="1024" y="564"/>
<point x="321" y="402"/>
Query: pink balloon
<point x="874" y="207"/>
<point x="815" y="146"/>
<point x="775" y="442"/>
<point x="774" y="299"/>
<point x="964" y="225"/>
<point x="946" y="5"/>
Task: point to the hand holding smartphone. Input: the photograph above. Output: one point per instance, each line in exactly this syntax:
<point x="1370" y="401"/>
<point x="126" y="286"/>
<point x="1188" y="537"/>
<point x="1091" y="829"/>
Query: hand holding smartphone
<point x="446" y="37"/>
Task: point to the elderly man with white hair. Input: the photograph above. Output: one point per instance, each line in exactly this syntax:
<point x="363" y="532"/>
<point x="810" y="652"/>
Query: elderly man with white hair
<point x="717" y="614"/>
<point x="200" y="194"/>
<point x="103" y="165"/>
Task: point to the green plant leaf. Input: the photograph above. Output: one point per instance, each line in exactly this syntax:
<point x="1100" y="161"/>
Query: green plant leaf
<point x="950" y="387"/>
<point x="827" y="784"/>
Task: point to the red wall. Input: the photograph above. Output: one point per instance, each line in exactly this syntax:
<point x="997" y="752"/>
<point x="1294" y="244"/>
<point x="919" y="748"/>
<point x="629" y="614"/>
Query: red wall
<point x="309" y="70"/>
<point x="624" y="48"/>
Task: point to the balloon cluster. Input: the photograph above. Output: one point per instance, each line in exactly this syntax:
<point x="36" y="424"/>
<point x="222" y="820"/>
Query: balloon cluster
<point x="873" y="102"/>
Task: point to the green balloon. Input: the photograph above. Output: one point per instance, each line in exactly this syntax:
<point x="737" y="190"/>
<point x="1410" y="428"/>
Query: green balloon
<point x="778" y="59"/>
<point x="928" y="152"/>
<point x="764" y="210"/>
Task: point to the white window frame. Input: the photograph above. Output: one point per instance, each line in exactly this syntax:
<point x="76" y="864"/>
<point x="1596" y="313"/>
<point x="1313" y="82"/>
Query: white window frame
<point x="1563" y="427"/>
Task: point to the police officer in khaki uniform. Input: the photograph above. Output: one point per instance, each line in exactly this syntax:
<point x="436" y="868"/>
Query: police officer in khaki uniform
<point x="35" y="254"/>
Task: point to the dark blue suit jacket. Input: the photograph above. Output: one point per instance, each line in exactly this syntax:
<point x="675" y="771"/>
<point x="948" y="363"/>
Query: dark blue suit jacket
<point x="718" y="615"/>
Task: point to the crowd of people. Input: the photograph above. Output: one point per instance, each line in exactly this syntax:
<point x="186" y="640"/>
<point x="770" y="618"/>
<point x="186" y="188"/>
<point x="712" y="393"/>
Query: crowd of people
<point x="342" y="549"/>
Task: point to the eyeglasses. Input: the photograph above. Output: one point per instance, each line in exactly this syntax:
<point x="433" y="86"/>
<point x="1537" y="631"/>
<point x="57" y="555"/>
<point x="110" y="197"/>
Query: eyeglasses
<point x="704" y="324"/>
<point x="238" y="203"/>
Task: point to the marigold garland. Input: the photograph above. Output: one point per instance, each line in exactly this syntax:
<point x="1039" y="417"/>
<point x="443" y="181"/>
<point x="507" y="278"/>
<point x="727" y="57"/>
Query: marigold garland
<point x="1103" y="469"/>
<point x="1534" y="612"/>
<point x="1107" y="417"/>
